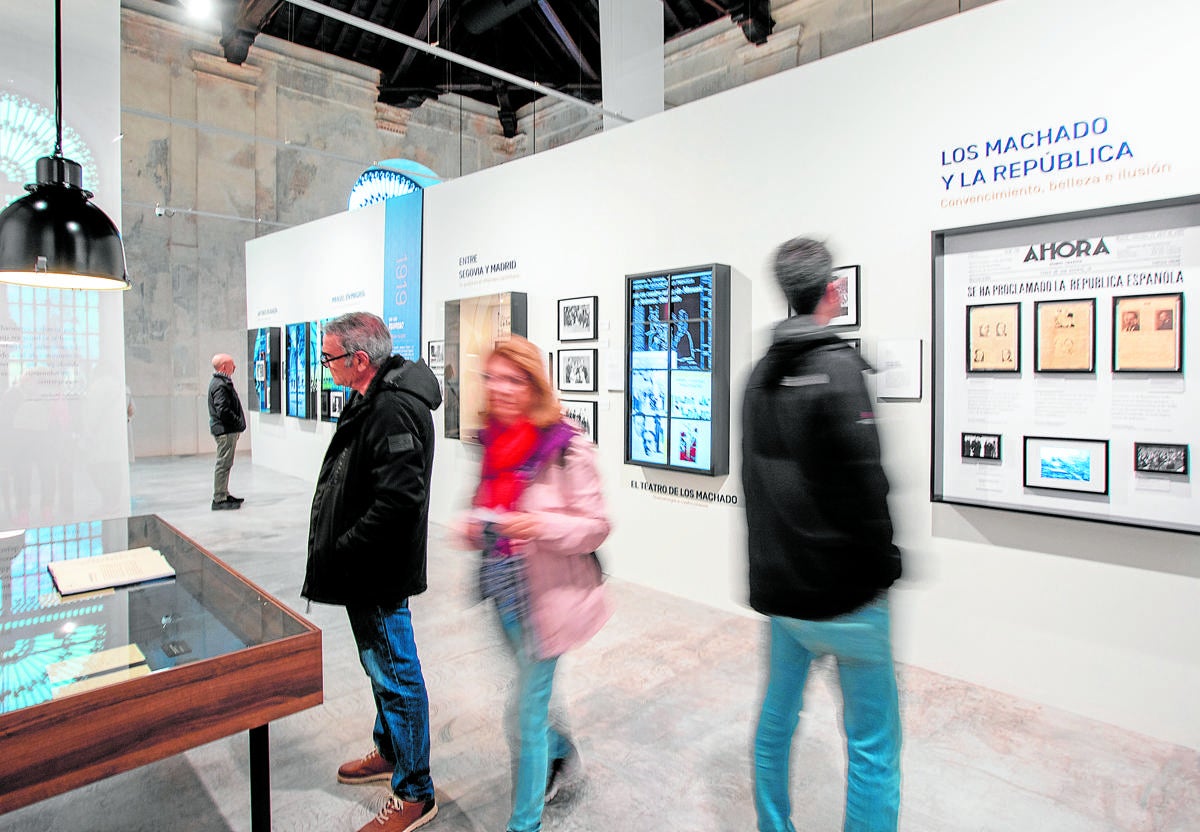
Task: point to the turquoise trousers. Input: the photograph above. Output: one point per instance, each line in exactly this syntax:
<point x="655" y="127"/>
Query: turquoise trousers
<point x="861" y="642"/>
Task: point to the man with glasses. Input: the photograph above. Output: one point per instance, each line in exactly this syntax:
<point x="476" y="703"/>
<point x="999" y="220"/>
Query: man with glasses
<point x="226" y="421"/>
<point x="367" y="549"/>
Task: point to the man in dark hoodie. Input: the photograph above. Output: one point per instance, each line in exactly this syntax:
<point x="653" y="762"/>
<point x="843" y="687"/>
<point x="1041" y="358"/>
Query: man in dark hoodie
<point x="820" y="546"/>
<point x="367" y="549"/>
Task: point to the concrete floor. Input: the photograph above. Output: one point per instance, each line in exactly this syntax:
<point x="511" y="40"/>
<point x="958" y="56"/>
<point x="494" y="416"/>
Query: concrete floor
<point x="663" y="703"/>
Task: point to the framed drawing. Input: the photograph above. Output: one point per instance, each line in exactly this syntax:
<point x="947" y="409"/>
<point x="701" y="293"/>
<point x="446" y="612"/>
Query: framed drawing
<point x="582" y="413"/>
<point x="898" y="368"/>
<point x="1066" y="464"/>
<point x="1064" y="336"/>
<point x="981" y="446"/>
<point x="994" y="338"/>
<point x="848" y="286"/>
<point x="1148" y="333"/>
<point x="1158" y="458"/>
<point x="577" y="319"/>
<point x="577" y="371"/>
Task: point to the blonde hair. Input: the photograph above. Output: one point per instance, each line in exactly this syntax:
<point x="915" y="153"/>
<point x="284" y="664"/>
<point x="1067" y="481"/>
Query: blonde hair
<point x="522" y="352"/>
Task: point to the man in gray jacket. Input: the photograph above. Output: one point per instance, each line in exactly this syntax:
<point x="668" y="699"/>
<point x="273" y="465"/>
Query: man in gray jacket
<point x="227" y="422"/>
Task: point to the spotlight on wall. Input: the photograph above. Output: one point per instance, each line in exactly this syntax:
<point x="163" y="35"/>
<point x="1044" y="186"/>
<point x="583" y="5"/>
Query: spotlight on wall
<point x="55" y="237"/>
<point x="754" y="16"/>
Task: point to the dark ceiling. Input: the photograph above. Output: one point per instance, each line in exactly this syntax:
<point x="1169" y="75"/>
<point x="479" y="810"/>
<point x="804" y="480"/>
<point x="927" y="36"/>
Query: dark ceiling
<point x="553" y="42"/>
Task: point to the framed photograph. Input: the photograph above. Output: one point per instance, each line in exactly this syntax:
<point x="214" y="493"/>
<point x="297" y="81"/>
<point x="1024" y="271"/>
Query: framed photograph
<point x="577" y="319"/>
<point x="1064" y="337"/>
<point x="577" y="371"/>
<point x="981" y="446"/>
<point x="436" y="351"/>
<point x="848" y="286"/>
<point x="337" y="400"/>
<point x="994" y="338"/>
<point x="1157" y="458"/>
<point x="1066" y="464"/>
<point x="1148" y="333"/>
<point x="582" y="413"/>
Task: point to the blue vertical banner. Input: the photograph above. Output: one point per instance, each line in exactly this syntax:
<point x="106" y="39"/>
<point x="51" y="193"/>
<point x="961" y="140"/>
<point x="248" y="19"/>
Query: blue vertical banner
<point x="402" y="273"/>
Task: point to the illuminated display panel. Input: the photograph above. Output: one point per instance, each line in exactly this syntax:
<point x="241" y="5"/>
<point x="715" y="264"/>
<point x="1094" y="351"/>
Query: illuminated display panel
<point x="301" y="356"/>
<point x="262" y="369"/>
<point x="677" y="369"/>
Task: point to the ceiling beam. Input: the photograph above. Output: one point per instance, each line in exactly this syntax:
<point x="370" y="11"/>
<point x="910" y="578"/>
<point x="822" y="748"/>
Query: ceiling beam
<point x="549" y="18"/>
<point x="241" y="24"/>
<point x="432" y="11"/>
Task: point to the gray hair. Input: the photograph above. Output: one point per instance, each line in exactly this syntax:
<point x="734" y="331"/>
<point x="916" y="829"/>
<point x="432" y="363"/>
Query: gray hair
<point x="362" y="331"/>
<point x="803" y="268"/>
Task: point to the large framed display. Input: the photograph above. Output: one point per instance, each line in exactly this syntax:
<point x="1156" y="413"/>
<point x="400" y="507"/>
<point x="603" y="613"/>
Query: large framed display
<point x="1087" y="285"/>
<point x="262" y="369"/>
<point x="473" y="327"/>
<point x="302" y="352"/>
<point x="333" y="396"/>
<point x="677" y="369"/>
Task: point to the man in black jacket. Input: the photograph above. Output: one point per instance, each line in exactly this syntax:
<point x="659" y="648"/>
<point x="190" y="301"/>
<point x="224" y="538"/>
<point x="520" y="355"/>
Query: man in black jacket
<point x="226" y="421"/>
<point x="367" y="549"/>
<point x="820" y="546"/>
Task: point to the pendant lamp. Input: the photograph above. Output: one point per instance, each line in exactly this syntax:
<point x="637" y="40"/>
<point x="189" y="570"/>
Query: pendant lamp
<point x="55" y="237"/>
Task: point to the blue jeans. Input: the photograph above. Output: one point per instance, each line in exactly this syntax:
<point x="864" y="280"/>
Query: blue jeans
<point x="860" y="640"/>
<point x="540" y="742"/>
<point x="388" y="653"/>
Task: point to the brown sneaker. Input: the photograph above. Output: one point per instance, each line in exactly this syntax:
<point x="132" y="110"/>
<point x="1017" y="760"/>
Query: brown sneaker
<point x="368" y="769"/>
<point x="398" y="816"/>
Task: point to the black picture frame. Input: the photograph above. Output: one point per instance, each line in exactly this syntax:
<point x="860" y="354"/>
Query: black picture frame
<point x="1059" y="317"/>
<point x="1056" y="463"/>
<point x="1160" y="458"/>
<point x="1136" y="348"/>
<point x="851" y="291"/>
<point x="577" y="370"/>
<point x="983" y="447"/>
<point x="991" y="352"/>
<point x="584" y="412"/>
<point x="577" y="318"/>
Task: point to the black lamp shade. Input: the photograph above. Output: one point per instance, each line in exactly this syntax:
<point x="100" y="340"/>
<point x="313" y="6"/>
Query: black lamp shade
<point x="56" y="238"/>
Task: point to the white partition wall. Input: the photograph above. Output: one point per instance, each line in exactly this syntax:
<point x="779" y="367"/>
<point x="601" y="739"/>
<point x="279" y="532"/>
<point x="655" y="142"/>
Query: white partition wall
<point x="873" y="150"/>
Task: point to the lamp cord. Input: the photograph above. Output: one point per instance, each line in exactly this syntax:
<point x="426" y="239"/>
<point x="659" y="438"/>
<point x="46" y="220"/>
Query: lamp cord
<point x="58" y="77"/>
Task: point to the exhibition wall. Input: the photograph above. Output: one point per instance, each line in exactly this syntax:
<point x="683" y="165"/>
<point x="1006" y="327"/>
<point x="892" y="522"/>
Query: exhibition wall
<point x="874" y="150"/>
<point x="309" y="273"/>
<point x="63" y="432"/>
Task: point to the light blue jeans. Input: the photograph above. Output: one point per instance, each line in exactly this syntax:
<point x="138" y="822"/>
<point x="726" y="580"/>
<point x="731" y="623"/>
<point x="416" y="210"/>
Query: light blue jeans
<point x="388" y="652"/>
<point x="861" y="642"/>
<point x="540" y="742"/>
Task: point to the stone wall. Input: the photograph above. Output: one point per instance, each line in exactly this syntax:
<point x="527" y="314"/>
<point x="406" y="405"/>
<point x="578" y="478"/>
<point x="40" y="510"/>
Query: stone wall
<point x="231" y="152"/>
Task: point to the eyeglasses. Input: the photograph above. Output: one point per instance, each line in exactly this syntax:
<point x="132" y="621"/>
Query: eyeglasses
<point x="327" y="359"/>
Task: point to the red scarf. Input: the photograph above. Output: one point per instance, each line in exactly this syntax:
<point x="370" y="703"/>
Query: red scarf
<point x="506" y="449"/>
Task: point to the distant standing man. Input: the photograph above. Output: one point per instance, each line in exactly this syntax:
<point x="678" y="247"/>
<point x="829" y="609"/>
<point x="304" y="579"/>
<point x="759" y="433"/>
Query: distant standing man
<point x="820" y="546"/>
<point x="226" y="421"/>
<point x="367" y="549"/>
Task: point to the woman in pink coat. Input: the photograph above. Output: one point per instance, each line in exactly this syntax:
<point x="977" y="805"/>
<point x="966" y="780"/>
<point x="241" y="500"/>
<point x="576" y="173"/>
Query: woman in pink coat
<point x="538" y="515"/>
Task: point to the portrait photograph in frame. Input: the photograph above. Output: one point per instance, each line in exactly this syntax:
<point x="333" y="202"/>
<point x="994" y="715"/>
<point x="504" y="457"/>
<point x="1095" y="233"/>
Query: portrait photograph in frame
<point x="583" y="413"/>
<point x="577" y="370"/>
<point x="436" y="356"/>
<point x="577" y="318"/>
<point x="1064" y="336"/>
<point x="1066" y="464"/>
<point x="1160" y="458"/>
<point x="994" y="338"/>
<point x="981" y="446"/>
<point x="1148" y="333"/>
<point x="849" y="288"/>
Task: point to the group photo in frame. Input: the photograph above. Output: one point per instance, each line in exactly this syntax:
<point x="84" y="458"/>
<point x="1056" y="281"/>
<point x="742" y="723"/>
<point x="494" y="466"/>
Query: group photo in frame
<point x="1064" y="336"/>
<point x="583" y="413"/>
<point x="577" y="318"/>
<point x="981" y="446"/>
<point x="994" y="338"/>
<point x="1160" y="458"/>
<point x="577" y="370"/>
<point x="1148" y="333"/>
<point x="1066" y="464"/>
